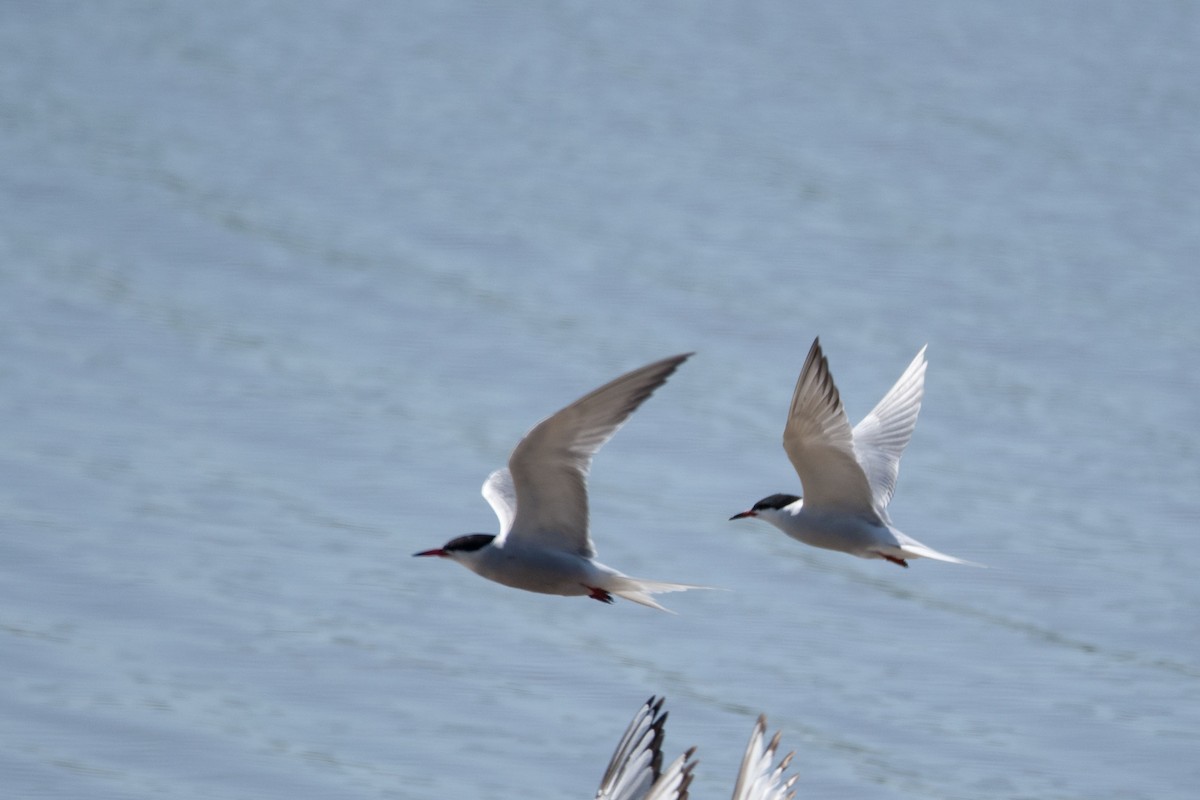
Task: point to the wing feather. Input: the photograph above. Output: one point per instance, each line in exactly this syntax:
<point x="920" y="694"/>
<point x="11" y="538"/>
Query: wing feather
<point x="549" y="467"/>
<point x="820" y="444"/>
<point x="676" y="779"/>
<point x="501" y="495"/>
<point x="637" y="762"/>
<point x="757" y="779"/>
<point x="880" y="439"/>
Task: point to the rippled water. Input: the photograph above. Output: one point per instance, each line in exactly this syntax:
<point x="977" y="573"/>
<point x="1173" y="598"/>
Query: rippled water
<point x="281" y="284"/>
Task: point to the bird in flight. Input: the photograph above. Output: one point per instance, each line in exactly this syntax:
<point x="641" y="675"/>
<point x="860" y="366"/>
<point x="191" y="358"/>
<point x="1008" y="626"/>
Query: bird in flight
<point x="848" y="475"/>
<point x="541" y="499"/>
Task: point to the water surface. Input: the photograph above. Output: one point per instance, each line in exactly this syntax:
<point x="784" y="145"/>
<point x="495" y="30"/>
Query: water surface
<point x="280" y="285"/>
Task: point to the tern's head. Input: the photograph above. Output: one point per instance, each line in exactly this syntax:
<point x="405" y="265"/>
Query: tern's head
<point x="769" y="508"/>
<point x="461" y="548"/>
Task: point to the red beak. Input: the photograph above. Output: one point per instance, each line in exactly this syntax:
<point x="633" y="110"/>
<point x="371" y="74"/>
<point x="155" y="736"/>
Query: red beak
<point x="743" y="515"/>
<point x="437" y="551"/>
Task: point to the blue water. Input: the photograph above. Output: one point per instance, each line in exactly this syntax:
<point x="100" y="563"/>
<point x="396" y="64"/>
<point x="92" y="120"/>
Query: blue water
<point x="281" y="283"/>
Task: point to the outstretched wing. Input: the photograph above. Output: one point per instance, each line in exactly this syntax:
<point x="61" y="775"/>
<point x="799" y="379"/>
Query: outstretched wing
<point x="820" y="444"/>
<point x="637" y="762"/>
<point x="635" y="770"/>
<point x="549" y="467"/>
<point x="880" y="439"/>
<point x="758" y="779"/>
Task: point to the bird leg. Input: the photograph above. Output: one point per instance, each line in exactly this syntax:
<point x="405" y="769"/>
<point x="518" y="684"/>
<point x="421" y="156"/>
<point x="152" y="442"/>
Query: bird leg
<point x="599" y="594"/>
<point x="895" y="560"/>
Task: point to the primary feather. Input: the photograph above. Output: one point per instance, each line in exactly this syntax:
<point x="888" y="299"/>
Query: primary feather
<point x="820" y="444"/>
<point x="548" y="469"/>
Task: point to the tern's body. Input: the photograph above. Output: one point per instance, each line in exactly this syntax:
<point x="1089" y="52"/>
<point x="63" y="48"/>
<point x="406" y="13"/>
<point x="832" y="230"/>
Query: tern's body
<point x="848" y="475"/>
<point x="546" y="570"/>
<point x="541" y="500"/>
<point x="635" y="771"/>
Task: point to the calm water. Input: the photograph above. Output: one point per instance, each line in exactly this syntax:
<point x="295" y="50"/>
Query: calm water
<point x="281" y="284"/>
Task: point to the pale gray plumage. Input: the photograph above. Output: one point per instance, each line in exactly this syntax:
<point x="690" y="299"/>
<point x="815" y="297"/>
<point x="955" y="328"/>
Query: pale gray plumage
<point x="882" y="435"/>
<point x="848" y="474"/>
<point x="541" y="501"/>
<point x="634" y="772"/>
<point x="676" y="780"/>
<point x="818" y="441"/>
<point x="759" y="777"/>
<point x="548" y="469"/>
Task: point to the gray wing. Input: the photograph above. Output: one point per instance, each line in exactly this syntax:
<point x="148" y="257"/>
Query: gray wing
<point x="637" y="762"/>
<point x="758" y="779"/>
<point x="501" y="495"/>
<point x="820" y="444"/>
<point x="549" y="467"/>
<point x="880" y="439"/>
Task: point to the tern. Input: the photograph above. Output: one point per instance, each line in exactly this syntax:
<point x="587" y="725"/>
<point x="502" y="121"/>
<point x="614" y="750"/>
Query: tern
<point x="542" y="502"/>
<point x="635" y="770"/>
<point x="848" y="475"/>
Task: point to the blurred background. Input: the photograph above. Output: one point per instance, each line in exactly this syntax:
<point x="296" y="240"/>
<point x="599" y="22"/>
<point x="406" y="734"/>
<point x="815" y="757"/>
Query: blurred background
<point x="281" y="283"/>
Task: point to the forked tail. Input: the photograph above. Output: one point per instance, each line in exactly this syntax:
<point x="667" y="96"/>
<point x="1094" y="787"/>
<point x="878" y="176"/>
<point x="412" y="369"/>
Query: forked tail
<point x="914" y="549"/>
<point x="639" y="590"/>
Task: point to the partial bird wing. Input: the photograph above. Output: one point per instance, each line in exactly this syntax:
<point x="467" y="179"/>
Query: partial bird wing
<point x="676" y="778"/>
<point x="637" y="762"/>
<point x="501" y="495"/>
<point x="549" y="467"/>
<point x="880" y="439"/>
<point x="820" y="444"/>
<point x="757" y="779"/>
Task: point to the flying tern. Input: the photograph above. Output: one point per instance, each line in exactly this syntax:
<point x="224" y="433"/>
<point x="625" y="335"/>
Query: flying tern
<point x="635" y="771"/>
<point x="542" y="502"/>
<point x="848" y="475"/>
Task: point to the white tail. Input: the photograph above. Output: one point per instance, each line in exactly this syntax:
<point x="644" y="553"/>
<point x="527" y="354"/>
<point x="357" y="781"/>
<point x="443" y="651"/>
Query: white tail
<point x="911" y="548"/>
<point x="640" y="590"/>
